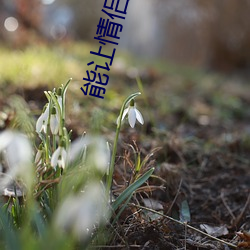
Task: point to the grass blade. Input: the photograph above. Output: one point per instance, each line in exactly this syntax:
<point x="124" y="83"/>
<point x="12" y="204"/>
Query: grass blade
<point x="128" y="191"/>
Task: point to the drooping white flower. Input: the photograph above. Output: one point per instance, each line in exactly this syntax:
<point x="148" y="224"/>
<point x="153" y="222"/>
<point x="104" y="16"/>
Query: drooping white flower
<point x="17" y="152"/>
<point x="77" y="149"/>
<point x="54" y="121"/>
<point x="98" y="152"/>
<point x="59" y="157"/>
<point x="79" y="214"/>
<point x="133" y="114"/>
<point x="42" y="122"/>
<point x="59" y="97"/>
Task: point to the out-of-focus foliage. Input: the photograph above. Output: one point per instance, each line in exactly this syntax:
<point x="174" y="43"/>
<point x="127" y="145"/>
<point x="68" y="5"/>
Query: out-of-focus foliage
<point x="26" y="26"/>
<point x="41" y="64"/>
<point x="212" y="33"/>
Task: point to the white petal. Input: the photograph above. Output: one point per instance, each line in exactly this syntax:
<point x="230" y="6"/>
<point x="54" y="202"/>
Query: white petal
<point x="67" y="213"/>
<point x="19" y="159"/>
<point x="46" y="113"/>
<point x="63" y="158"/>
<point x="55" y="156"/>
<point x="78" y="214"/>
<point x="42" y="121"/>
<point x="59" y="99"/>
<point x="5" y="139"/>
<point x="39" y="123"/>
<point x="125" y="112"/>
<point x="101" y="154"/>
<point x="44" y="127"/>
<point x="77" y="148"/>
<point x="61" y="163"/>
<point x="19" y="151"/>
<point x="64" y="154"/>
<point x="54" y="124"/>
<point x="139" y="116"/>
<point x="132" y="117"/>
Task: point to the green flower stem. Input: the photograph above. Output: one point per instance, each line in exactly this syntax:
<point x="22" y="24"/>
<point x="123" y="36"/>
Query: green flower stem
<point x="54" y="142"/>
<point x="63" y="100"/>
<point x="67" y="138"/>
<point x="112" y="164"/>
<point x="60" y="112"/>
<point x="47" y="138"/>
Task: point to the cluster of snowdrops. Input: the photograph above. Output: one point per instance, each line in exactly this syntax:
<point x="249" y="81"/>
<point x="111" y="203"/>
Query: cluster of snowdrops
<point x="66" y="186"/>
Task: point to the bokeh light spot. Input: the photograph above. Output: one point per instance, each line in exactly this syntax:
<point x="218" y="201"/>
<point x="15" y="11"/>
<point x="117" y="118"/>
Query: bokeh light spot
<point x="47" y="2"/>
<point x="11" y="24"/>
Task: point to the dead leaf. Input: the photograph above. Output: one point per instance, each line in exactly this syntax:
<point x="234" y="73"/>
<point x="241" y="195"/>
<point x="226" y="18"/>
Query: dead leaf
<point x="155" y="205"/>
<point x="215" y="231"/>
<point x="245" y="236"/>
<point x="152" y="204"/>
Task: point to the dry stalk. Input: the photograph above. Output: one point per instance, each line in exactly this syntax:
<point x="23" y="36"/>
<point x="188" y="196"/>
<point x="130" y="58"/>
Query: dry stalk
<point x="184" y="224"/>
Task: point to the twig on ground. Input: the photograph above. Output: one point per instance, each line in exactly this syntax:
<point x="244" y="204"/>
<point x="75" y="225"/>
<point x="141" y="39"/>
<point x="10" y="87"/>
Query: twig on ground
<point x="227" y="207"/>
<point x="116" y="246"/>
<point x="184" y="224"/>
<point x="173" y="202"/>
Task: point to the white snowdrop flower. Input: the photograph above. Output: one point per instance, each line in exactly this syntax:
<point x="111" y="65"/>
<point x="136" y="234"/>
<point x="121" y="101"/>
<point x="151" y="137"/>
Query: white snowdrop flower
<point x="59" y="157"/>
<point x="5" y="138"/>
<point x="59" y="97"/>
<point x="80" y="214"/>
<point x="17" y="152"/>
<point x="54" y="121"/>
<point x="133" y="114"/>
<point x="98" y="152"/>
<point x="77" y="148"/>
<point x="101" y="154"/>
<point x="42" y="121"/>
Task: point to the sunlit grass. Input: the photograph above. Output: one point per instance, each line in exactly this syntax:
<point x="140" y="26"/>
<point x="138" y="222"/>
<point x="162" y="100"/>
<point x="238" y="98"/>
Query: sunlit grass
<point x="37" y="65"/>
<point x="179" y="85"/>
